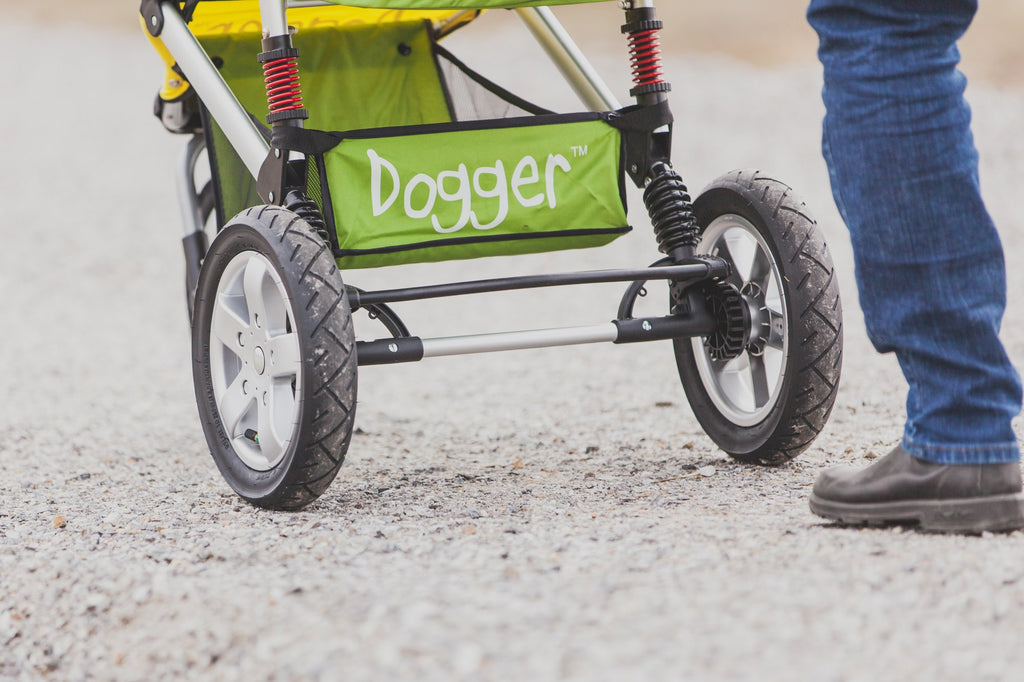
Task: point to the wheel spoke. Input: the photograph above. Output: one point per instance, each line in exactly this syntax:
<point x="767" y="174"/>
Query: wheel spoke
<point x="234" y="403"/>
<point x="776" y="329"/>
<point x="228" y="327"/>
<point x="271" y="443"/>
<point x="760" y="270"/>
<point x="759" y="381"/>
<point x="253" y="283"/>
<point x="723" y="251"/>
<point x="733" y="379"/>
<point x="284" y="357"/>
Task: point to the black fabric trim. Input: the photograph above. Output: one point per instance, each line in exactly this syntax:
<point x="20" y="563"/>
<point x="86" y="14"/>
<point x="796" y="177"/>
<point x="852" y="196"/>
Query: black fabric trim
<point x="211" y="154"/>
<point x="623" y="150"/>
<point x="328" y="204"/>
<point x="491" y="86"/>
<point x="440" y="75"/>
<point x="309" y="141"/>
<point x="460" y="241"/>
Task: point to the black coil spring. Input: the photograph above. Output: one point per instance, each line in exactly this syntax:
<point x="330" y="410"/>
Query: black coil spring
<point x="671" y="209"/>
<point x="307" y="209"/>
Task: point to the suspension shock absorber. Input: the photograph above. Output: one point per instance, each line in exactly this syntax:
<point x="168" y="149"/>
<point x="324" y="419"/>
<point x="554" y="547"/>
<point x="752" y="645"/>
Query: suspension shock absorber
<point x="642" y="29"/>
<point x="666" y="197"/>
<point x="281" y="77"/>
<point x="297" y="202"/>
<point x="671" y="209"/>
<point x="276" y="182"/>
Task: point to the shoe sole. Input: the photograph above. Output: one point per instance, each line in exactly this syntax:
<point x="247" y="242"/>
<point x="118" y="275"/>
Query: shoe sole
<point x="995" y="513"/>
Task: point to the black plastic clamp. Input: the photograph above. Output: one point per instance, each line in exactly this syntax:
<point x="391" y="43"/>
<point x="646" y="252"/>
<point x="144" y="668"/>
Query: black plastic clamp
<point x="152" y="16"/>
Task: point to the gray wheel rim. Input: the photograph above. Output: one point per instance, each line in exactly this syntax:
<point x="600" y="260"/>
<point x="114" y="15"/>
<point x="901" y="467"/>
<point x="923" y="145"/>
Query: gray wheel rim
<point x="255" y="361"/>
<point x="746" y="388"/>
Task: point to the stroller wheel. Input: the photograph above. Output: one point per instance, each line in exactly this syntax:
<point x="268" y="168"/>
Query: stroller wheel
<point x="274" y="363"/>
<point x="763" y="386"/>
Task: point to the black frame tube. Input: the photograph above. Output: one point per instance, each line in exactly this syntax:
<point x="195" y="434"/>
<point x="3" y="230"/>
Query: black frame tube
<point x="697" y="270"/>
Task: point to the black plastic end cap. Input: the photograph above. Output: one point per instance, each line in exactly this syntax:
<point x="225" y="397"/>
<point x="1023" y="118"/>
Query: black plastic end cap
<point x="643" y="25"/>
<point x="152" y="16"/>
<point x="278" y="53"/>
<point x="650" y="88"/>
<point x="288" y="115"/>
<point x="390" y="351"/>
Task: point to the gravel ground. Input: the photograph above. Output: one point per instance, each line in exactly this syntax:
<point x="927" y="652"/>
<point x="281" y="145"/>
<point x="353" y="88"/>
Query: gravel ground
<point x="538" y="515"/>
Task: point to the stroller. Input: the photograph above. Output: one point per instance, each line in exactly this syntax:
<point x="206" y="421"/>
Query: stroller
<point x="401" y="153"/>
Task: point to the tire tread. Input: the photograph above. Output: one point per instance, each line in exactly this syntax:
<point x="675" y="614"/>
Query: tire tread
<point x="814" y="298"/>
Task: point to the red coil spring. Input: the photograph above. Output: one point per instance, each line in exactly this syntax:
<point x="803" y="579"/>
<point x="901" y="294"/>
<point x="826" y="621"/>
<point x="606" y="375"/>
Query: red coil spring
<point x="645" y="57"/>
<point x="283" y="90"/>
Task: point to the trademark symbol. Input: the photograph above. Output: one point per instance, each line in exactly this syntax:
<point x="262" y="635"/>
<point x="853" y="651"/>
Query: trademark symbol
<point x="579" y="150"/>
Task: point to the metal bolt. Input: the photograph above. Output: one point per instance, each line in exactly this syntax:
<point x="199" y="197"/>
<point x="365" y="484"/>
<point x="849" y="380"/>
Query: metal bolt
<point x="271" y="196"/>
<point x="277" y="153"/>
<point x="174" y="83"/>
<point x="154" y="20"/>
<point x="646" y="326"/>
<point x="393" y="347"/>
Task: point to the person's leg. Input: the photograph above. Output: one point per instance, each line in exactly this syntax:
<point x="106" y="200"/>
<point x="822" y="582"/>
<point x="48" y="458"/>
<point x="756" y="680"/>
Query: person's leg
<point x="929" y="262"/>
<point x="929" y="265"/>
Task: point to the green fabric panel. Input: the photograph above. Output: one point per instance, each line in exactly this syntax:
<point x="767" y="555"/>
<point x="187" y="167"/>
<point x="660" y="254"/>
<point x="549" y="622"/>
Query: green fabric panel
<point x="457" y="4"/>
<point x="351" y="78"/>
<point x="519" y="188"/>
<point x="237" y="187"/>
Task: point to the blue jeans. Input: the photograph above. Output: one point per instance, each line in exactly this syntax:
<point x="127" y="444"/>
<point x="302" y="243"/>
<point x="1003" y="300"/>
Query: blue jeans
<point x="929" y="262"/>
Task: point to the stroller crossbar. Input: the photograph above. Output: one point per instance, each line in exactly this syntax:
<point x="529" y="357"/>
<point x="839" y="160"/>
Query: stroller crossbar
<point x="711" y="268"/>
<point x="414" y="349"/>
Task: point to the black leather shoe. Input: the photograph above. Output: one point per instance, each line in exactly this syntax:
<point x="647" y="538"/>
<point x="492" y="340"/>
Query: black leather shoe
<point x="900" y="488"/>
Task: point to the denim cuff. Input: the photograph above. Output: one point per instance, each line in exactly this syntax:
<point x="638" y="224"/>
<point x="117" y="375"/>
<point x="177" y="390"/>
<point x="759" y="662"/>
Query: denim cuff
<point x="989" y="453"/>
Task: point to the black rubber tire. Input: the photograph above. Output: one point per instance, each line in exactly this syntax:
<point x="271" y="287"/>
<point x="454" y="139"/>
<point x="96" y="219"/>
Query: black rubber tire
<point x="815" y="328"/>
<point x="206" y="206"/>
<point x="323" y="321"/>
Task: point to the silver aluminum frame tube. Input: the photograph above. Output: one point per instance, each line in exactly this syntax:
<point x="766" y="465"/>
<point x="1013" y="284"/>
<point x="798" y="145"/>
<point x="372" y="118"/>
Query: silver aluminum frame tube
<point x="569" y="59"/>
<point x="538" y="338"/>
<point x="274" y="18"/>
<point x="188" y="197"/>
<point x="215" y="93"/>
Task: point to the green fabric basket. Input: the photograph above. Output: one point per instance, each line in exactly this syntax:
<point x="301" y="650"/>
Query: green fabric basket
<point x="470" y="190"/>
<point x="489" y="188"/>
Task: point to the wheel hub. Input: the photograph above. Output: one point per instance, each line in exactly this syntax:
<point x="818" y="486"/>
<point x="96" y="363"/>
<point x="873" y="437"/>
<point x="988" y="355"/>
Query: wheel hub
<point x="760" y="321"/>
<point x="742" y="373"/>
<point x="259" y="361"/>
<point x="733" y="321"/>
<point x="255" y="361"/>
